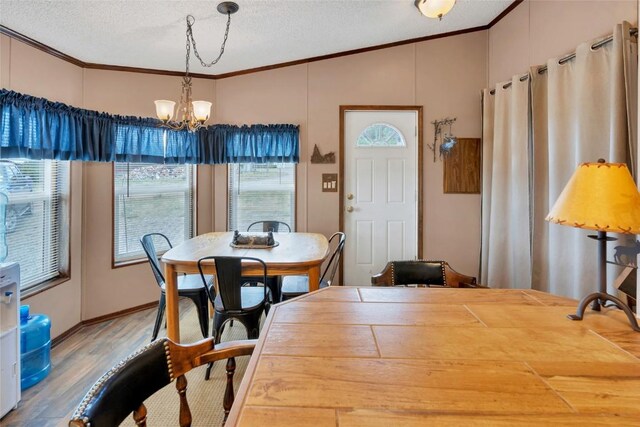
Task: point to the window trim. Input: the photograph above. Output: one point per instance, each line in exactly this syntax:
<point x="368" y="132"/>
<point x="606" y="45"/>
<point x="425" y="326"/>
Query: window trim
<point x="64" y="239"/>
<point x="295" y="190"/>
<point x="143" y="259"/>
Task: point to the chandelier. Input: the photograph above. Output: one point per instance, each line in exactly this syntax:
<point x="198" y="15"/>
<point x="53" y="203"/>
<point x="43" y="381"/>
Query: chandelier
<point x="191" y="115"/>
<point x="435" y="8"/>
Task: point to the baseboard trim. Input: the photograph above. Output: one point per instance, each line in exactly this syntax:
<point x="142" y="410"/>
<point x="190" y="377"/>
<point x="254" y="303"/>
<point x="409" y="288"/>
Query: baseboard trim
<point x="78" y="327"/>
<point x="120" y="313"/>
<point x="66" y="334"/>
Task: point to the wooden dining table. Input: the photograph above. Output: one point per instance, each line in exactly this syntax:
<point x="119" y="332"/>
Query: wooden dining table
<point x="295" y="254"/>
<point x="346" y="356"/>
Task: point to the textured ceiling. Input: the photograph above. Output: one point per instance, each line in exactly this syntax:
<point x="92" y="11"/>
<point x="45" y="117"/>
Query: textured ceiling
<point x="151" y="34"/>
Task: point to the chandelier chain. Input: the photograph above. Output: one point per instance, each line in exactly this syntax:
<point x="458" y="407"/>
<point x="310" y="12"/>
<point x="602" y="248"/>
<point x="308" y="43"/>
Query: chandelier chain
<point x="192" y="41"/>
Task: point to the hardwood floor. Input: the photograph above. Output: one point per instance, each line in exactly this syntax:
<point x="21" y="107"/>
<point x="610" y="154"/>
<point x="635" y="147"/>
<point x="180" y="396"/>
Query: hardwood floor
<point x="77" y="363"/>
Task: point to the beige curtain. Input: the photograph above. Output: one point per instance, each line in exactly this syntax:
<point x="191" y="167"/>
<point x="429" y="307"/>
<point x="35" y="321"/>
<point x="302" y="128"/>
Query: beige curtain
<point x="581" y="112"/>
<point x="506" y="256"/>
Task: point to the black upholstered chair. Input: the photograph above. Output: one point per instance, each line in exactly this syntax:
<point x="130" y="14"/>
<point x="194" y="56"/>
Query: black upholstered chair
<point x="232" y="301"/>
<point x="422" y="273"/>
<point x="273" y="226"/>
<point x="189" y="285"/>
<point x="123" y="389"/>
<point x="293" y="286"/>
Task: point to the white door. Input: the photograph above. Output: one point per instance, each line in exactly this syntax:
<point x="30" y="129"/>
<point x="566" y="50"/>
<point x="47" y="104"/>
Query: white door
<point x="380" y="191"/>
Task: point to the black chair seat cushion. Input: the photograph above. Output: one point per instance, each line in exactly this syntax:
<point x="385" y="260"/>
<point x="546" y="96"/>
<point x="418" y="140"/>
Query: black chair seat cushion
<point x="252" y="298"/>
<point x="297" y="285"/>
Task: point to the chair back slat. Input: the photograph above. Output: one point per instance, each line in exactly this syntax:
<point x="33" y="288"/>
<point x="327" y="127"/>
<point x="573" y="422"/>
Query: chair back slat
<point x="271" y="225"/>
<point x="330" y="270"/>
<point x="152" y="254"/>
<point x="229" y="279"/>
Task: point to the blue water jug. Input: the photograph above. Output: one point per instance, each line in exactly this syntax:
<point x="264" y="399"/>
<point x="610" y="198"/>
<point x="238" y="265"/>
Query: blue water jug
<point x="35" y="347"/>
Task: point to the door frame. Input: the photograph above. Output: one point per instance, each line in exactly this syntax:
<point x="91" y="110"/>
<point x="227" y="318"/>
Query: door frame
<point x="344" y="109"/>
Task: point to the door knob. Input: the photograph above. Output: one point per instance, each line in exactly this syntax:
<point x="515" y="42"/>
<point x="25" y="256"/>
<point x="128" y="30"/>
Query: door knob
<point x="350" y="196"/>
<point x="349" y="208"/>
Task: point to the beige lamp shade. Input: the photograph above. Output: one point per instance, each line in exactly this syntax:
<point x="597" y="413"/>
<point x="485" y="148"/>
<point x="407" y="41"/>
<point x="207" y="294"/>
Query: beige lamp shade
<point x="164" y="109"/>
<point x="201" y="110"/>
<point x="599" y="196"/>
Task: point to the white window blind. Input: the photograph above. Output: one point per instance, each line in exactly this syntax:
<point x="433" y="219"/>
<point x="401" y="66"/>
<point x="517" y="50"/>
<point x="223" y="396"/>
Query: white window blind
<point x="261" y="192"/>
<point x="35" y="217"/>
<point x="151" y="198"/>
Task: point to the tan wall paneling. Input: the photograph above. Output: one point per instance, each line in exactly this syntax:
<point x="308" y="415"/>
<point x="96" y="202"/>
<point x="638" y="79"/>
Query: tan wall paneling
<point x="268" y="97"/>
<point x="105" y="289"/>
<point x="451" y="72"/>
<point x="383" y="77"/>
<point x="536" y="31"/>
<point x="5" y="60"/>
<point x="36" y="73"/>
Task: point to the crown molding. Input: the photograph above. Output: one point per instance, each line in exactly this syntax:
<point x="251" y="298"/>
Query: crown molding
<point x="93" y="66"/>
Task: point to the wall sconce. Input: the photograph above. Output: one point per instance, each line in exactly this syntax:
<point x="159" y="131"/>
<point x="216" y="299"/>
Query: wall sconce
<point x="442" y="143"/>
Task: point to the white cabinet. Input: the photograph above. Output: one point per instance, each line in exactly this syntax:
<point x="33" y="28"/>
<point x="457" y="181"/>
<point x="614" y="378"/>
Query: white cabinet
<point x="9" y="336"/>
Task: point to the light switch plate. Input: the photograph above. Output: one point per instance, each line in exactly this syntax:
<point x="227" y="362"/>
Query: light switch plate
<point x="329" y="182"/>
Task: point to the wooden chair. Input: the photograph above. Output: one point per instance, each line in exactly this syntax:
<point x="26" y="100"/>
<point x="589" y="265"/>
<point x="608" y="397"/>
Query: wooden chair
<point x="423" y="273"/>
<point x="123" y="389"/>
<point x="293" y="286"/>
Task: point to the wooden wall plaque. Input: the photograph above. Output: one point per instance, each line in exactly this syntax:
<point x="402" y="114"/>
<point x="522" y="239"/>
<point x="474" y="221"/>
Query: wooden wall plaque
<point x="461" y="168"/>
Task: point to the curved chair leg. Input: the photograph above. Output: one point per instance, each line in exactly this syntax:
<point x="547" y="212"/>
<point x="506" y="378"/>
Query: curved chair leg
<point x="218" y="327"/>
<point x="156" y="326"/>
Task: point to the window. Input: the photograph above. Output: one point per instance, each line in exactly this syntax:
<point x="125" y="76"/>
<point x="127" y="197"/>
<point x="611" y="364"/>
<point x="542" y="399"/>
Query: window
<point x="260" y="192"/>
<point x="36" y="218"/>
<point x="380" y="135"/>
<point x="150" y="198"/>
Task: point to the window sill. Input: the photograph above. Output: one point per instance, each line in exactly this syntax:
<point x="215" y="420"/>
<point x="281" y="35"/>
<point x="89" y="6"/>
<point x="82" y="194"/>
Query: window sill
<point x="120" y="264"/>
<point x="44" y="286"/>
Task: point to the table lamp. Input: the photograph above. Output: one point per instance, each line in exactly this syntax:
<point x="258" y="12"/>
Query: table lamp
<point x="600" y="196"/>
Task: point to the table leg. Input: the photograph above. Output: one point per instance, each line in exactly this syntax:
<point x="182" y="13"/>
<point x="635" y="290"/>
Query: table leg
<point x="314" y="278"/>
<point x="171" y="294"/>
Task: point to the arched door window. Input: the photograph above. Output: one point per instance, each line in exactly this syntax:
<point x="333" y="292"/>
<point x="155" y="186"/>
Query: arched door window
<point x="380" y="135"/>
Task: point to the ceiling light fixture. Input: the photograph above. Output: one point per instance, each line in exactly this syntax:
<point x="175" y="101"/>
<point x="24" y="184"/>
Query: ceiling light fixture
<point x="192" y="115"/>
<point x="435" y="8"/>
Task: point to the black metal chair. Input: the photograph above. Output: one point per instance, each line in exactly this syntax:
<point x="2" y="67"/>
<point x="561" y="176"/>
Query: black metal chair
<point x="189" y="285"/>
<point x="232" y="301"/>
<point x="273" y="226"/>
<point x="293" y="286"/>
<point x="273" y="282"/>
<point x="123" y="389"/>
<point x="423" y="273"/>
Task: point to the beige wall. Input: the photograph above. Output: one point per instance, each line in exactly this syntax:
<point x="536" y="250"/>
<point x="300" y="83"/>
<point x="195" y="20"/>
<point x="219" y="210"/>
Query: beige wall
<point x="428" y="74"/>
<point x="536" y="31"/>
<point x="105" y="289"/>
<point x="31" y="71"/>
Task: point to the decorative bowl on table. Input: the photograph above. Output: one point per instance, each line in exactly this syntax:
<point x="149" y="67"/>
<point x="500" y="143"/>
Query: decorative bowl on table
<point x="253" y="241"/>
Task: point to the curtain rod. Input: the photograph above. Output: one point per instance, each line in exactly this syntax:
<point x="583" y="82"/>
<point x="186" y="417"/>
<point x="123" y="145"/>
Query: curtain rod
<point x="632" y="31"/>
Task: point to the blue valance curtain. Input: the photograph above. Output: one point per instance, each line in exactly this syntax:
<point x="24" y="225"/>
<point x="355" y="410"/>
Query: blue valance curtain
<point x="36" y="128"/>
